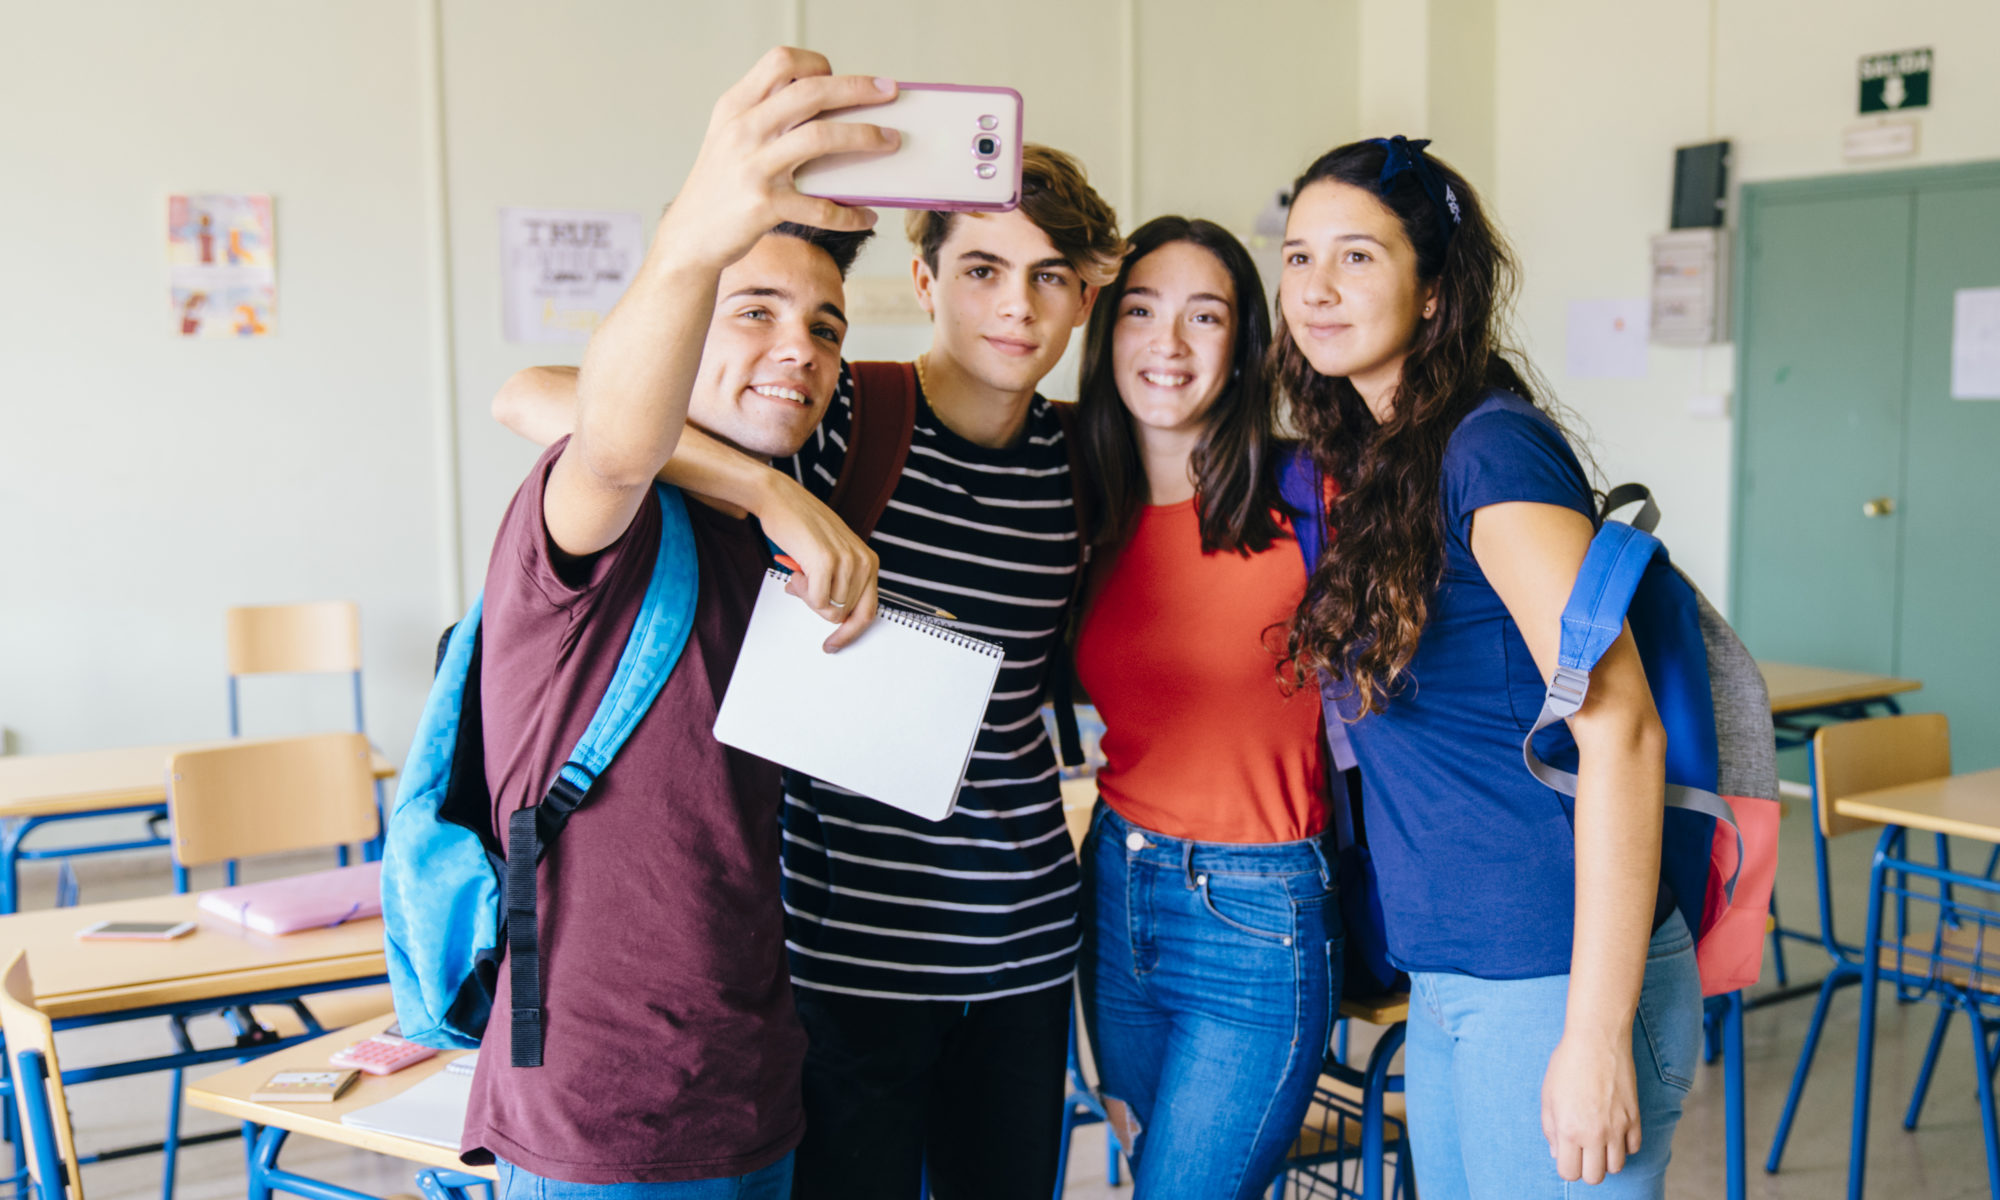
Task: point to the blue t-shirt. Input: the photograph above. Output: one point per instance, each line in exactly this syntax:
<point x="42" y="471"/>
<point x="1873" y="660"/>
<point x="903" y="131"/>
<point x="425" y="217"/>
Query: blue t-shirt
<point x="1475" y="857"/>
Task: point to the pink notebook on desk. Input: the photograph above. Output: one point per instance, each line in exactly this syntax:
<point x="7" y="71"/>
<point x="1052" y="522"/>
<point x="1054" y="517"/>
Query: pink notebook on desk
<point x="301" y="901"/>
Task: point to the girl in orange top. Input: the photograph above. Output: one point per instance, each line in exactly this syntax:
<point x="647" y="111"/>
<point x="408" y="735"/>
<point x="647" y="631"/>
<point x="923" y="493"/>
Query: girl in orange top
<point x="1213" y="946"/>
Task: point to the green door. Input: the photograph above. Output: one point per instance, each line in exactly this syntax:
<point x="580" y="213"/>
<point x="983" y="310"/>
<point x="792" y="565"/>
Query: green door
<point x="1949" y="631"/>
<point x="1821" y="407"/>
<point x="1844" y="403"/>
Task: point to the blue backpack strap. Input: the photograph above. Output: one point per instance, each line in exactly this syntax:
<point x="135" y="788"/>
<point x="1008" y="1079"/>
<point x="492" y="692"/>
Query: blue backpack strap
<point x="1591" y="621"/>
<point x="659" y="634"/>
<point x="1299" y="486"/>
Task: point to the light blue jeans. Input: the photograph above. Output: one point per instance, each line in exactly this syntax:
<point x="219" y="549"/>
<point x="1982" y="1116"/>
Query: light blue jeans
<point x="1209" y="975"/>
<point x="772" y="1183"/>
<point x="1474" y="1062"/>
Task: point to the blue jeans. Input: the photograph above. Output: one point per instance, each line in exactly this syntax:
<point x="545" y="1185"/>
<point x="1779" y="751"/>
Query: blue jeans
<point x="1209" y="977"/>
<point x="1474" y="1062"/>
<point x="772" y="1183"/>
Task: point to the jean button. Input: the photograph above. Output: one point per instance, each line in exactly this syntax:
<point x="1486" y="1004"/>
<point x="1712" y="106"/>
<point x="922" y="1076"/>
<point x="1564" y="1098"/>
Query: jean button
<point x="1135" y="841"/>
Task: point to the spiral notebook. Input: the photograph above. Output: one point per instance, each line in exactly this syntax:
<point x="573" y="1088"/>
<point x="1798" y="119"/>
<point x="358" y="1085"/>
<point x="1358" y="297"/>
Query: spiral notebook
<point x="893" y="717"/>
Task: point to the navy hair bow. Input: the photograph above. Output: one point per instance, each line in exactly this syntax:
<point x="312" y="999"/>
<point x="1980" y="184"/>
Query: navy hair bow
<point x="1403" y="155"/>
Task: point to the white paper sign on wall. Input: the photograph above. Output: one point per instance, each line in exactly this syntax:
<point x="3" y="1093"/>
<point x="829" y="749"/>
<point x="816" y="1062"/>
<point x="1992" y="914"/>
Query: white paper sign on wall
<point x="1607" y="339"/>
<point x="563" y="269"/>
<point x="1975" y="344"/>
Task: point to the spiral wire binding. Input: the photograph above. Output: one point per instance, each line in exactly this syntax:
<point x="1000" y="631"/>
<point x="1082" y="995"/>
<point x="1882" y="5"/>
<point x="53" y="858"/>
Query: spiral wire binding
<point x="938" y="629"/>
<point x="889" y="611"/>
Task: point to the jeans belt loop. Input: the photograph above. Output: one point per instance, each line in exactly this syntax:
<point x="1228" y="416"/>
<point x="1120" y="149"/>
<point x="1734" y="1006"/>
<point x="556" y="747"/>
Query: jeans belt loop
<point x="1325" y="868"/>
<point x="1187" y="863"/>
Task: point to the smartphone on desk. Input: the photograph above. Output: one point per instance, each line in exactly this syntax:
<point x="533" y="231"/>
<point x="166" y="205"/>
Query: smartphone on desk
<point x="961" y="152"/>
<point x="142" y="931"/>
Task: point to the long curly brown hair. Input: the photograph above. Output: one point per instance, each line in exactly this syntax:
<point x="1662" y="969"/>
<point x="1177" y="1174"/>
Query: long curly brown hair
<point x="1366" y="604"/>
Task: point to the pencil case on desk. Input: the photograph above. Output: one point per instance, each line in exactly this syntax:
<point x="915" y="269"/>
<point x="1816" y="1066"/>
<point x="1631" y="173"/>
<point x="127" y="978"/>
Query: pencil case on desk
<point x="280" y="906"/>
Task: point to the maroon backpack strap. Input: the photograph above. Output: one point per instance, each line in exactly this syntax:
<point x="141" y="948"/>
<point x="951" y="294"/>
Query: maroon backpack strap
<point x="1066" y="416"/>
<point x="1060" y="687"/>
<point x="878" y="442"/>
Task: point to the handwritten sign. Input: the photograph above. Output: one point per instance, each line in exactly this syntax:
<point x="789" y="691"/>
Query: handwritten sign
<point x="563" y="269"/>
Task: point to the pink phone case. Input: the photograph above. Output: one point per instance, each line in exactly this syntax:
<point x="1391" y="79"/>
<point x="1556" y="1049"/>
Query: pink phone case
<point x="934" y="203"/>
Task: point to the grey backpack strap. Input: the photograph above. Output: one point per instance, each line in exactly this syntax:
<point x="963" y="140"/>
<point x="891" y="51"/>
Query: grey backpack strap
<point x="1632" y="493"/>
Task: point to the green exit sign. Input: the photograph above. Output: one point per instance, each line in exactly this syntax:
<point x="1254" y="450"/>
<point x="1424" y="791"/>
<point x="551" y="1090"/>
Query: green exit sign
<point x="1896" y="81"/>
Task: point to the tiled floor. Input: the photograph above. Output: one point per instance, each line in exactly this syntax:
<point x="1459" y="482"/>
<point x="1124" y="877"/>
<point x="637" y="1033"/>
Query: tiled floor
<point x="1943" y="1160"/>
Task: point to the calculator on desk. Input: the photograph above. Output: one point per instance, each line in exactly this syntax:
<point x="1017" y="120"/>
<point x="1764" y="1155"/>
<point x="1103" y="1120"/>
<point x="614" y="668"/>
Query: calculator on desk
<point x="384" y="1054"/>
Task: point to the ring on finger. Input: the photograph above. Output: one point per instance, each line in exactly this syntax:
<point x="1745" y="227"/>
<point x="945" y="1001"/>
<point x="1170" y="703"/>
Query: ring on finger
<point x="836" y="603"/>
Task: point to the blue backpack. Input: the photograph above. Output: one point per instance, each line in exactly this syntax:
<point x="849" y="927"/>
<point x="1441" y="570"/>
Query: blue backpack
<point x="452" y="894"/>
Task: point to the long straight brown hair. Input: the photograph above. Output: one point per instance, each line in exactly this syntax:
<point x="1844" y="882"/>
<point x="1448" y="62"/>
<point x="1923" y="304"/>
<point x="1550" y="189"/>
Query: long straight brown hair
<point x="1366" y="604"/>
<point x="1235" y="460"/>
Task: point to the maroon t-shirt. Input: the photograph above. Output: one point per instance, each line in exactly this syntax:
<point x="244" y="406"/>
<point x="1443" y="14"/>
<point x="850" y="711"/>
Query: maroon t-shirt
<point x="672" y="1050"/>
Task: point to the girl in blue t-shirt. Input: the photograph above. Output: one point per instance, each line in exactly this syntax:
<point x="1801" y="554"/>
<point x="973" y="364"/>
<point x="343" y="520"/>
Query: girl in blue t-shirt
<point x="1555" y="1005"/>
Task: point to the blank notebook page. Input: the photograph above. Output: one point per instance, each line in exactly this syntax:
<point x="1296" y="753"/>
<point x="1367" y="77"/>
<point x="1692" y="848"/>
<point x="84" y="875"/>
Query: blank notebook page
<point x="893" y="716"/>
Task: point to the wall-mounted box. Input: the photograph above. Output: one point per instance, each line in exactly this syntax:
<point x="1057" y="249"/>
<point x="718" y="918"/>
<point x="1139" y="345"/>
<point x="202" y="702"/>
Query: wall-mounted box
<point x="1691" y="287"/>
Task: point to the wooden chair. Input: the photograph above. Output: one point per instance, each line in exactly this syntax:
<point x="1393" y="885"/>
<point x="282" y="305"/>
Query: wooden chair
<point x="270" y="797"/>
<point x="323" y="637"/>
<point x="1849" y="758"/>
<point x="38" y="1091"/>
<point x="272" y="639"/>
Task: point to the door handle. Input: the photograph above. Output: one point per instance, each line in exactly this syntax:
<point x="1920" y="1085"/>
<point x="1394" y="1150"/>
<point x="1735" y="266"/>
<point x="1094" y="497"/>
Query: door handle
<point x="1880" y="506"/>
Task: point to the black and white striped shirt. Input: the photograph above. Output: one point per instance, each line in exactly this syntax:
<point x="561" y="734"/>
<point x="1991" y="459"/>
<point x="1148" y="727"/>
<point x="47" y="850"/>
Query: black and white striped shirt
<point x="984" y="903"/>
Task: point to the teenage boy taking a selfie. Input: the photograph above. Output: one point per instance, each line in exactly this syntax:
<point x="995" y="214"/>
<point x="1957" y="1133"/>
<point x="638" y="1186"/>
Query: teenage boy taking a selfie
<point x="932" y="961"/>
<point x="672" y="1053"/>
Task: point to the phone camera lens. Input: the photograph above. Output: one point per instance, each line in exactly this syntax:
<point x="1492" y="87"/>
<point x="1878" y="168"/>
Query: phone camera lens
<point x="986" y="146"/>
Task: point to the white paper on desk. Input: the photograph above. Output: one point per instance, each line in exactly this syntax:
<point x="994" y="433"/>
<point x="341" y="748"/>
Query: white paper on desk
<point x="1975" y="344"/>
<point x="893" y="717"/>
<point x="432" y="1111"/>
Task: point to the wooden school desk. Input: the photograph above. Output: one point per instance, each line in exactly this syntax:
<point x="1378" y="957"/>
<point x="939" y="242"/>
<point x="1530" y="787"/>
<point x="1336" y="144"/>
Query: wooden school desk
<point x="39" y="789"/>
<point x="1797" y="690"/>
<point x="219" y="965"/>
<point x="1803" y="699"/>
<point x="1966" y="806"/>
<point x="229" y="1094"/>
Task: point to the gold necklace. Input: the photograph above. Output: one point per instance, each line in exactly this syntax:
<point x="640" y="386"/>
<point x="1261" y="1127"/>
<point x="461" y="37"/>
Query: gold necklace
<point x="923" y="384"/>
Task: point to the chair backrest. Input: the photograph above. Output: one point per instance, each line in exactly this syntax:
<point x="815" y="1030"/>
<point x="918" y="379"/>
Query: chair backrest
<point x="266" y="797"/>
<point x="28" y="1029"/>
<point x="1862" y="756"/>
<point x="271" y="638"/>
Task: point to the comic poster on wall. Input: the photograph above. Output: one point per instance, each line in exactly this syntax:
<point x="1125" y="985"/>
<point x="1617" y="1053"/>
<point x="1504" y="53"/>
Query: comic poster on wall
<point x="563" y="269"/>
<point x="222" y="271"/>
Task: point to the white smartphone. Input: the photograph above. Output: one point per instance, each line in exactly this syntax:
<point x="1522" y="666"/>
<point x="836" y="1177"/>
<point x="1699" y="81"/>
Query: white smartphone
<point x="961" y="152"/>
<point x="145" y="931"/>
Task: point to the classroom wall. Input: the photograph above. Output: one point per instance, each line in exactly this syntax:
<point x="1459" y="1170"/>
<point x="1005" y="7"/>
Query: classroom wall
<point x="1589" y="102"/>
<point x="146" y="481"/>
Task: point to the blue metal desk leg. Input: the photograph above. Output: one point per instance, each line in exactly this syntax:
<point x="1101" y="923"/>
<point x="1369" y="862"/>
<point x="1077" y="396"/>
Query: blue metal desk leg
<point x="1732" y="1090"/>
<point x="1373" y="1097"/>
<point x="1982" y="1057"/>
<point x="1864" y="1054"/>
<point x="10" y="865"/>
<point x="450" y="1185"/>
